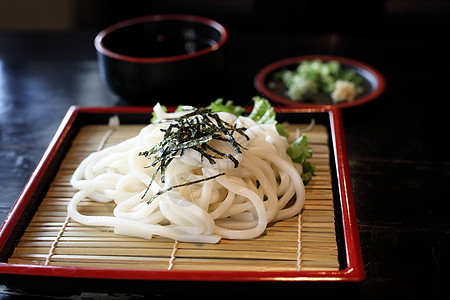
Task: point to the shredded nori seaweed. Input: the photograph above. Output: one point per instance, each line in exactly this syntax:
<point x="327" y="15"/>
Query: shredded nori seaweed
<point x="193" y="131"/>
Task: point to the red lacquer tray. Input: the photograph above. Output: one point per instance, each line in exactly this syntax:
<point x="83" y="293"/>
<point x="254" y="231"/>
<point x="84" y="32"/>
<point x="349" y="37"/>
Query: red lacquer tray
<point x="350" y="259"/>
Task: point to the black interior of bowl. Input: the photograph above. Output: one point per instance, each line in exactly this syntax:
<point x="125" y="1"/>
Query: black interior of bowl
<point x="161" y="39"/>
<point x="277" y="86"/>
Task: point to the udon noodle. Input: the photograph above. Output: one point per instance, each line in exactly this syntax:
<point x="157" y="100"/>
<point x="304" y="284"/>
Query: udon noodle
<point x="236" y="202"/>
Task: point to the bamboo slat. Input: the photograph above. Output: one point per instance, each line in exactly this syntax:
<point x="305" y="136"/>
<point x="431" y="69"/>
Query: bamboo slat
<point x="53" y="238"/>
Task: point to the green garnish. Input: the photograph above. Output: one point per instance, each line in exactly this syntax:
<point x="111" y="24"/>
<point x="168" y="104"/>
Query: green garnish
<point x="299" y="151"/>
<point x="315" y="76"/>
<point x="193" y="131"/>
<point x="308" y="171"/>
<point x="263" y="113"/>
<point x="229" y="107"/>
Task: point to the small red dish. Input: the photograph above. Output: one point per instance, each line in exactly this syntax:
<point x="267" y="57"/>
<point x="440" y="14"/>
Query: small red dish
<point x="373" y="81"/>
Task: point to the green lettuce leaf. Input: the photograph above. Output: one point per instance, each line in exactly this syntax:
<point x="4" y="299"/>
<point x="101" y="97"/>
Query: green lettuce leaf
<point x="308" y="172"/>
<point x="229" y="107"/>
<point x="299" y="151"/>
<point x="281" y="128"/>
<point x="262" y="112"/>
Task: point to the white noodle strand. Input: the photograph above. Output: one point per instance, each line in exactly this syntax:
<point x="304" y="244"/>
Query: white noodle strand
<point x="263" y="188"/>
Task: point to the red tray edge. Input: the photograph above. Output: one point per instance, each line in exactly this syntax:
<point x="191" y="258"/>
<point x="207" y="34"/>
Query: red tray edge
<point x="354" y="271"/>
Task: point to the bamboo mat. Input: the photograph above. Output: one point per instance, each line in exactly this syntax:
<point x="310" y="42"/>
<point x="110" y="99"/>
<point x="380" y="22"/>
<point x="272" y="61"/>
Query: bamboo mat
<point x="304" y="242"/>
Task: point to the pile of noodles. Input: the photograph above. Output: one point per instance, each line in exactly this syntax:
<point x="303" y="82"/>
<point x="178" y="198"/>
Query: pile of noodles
<point x="237" y="203"/>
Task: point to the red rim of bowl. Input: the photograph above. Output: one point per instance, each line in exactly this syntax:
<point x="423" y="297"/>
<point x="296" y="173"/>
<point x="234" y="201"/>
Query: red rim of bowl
<point x="261" y="76"/>
<point x="157" y="18"/>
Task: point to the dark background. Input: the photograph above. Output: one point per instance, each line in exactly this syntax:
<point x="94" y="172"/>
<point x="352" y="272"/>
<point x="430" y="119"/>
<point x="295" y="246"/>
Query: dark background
<point x="397" y="145"/>
<point x="301" y="16"/>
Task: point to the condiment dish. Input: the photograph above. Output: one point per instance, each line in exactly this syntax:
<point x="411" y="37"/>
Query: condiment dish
<point x="268" y="86"/>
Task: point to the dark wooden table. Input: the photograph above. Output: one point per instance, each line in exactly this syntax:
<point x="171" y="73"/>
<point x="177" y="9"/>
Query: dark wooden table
<point x="397" y="145"/>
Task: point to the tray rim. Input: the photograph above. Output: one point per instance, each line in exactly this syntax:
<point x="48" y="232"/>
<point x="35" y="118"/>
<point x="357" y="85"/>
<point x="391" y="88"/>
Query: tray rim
<point x="353" y="272"/>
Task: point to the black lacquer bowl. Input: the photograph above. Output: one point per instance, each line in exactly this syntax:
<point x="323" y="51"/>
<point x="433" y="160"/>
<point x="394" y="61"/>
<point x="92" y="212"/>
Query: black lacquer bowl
<point x="160" y="57"/>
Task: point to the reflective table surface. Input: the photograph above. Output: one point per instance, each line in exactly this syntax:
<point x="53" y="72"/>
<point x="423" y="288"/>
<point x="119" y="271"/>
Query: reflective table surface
<point x="397" y="145"/>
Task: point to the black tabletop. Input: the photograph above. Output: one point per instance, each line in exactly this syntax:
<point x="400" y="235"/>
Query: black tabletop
<point x="397" y="153"/>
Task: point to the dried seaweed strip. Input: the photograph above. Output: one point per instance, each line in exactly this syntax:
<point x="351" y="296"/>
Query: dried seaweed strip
<point x="193" y="130"/>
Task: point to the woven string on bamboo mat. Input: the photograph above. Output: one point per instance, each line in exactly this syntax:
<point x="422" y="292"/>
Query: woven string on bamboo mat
<point x="304" y="242"/>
